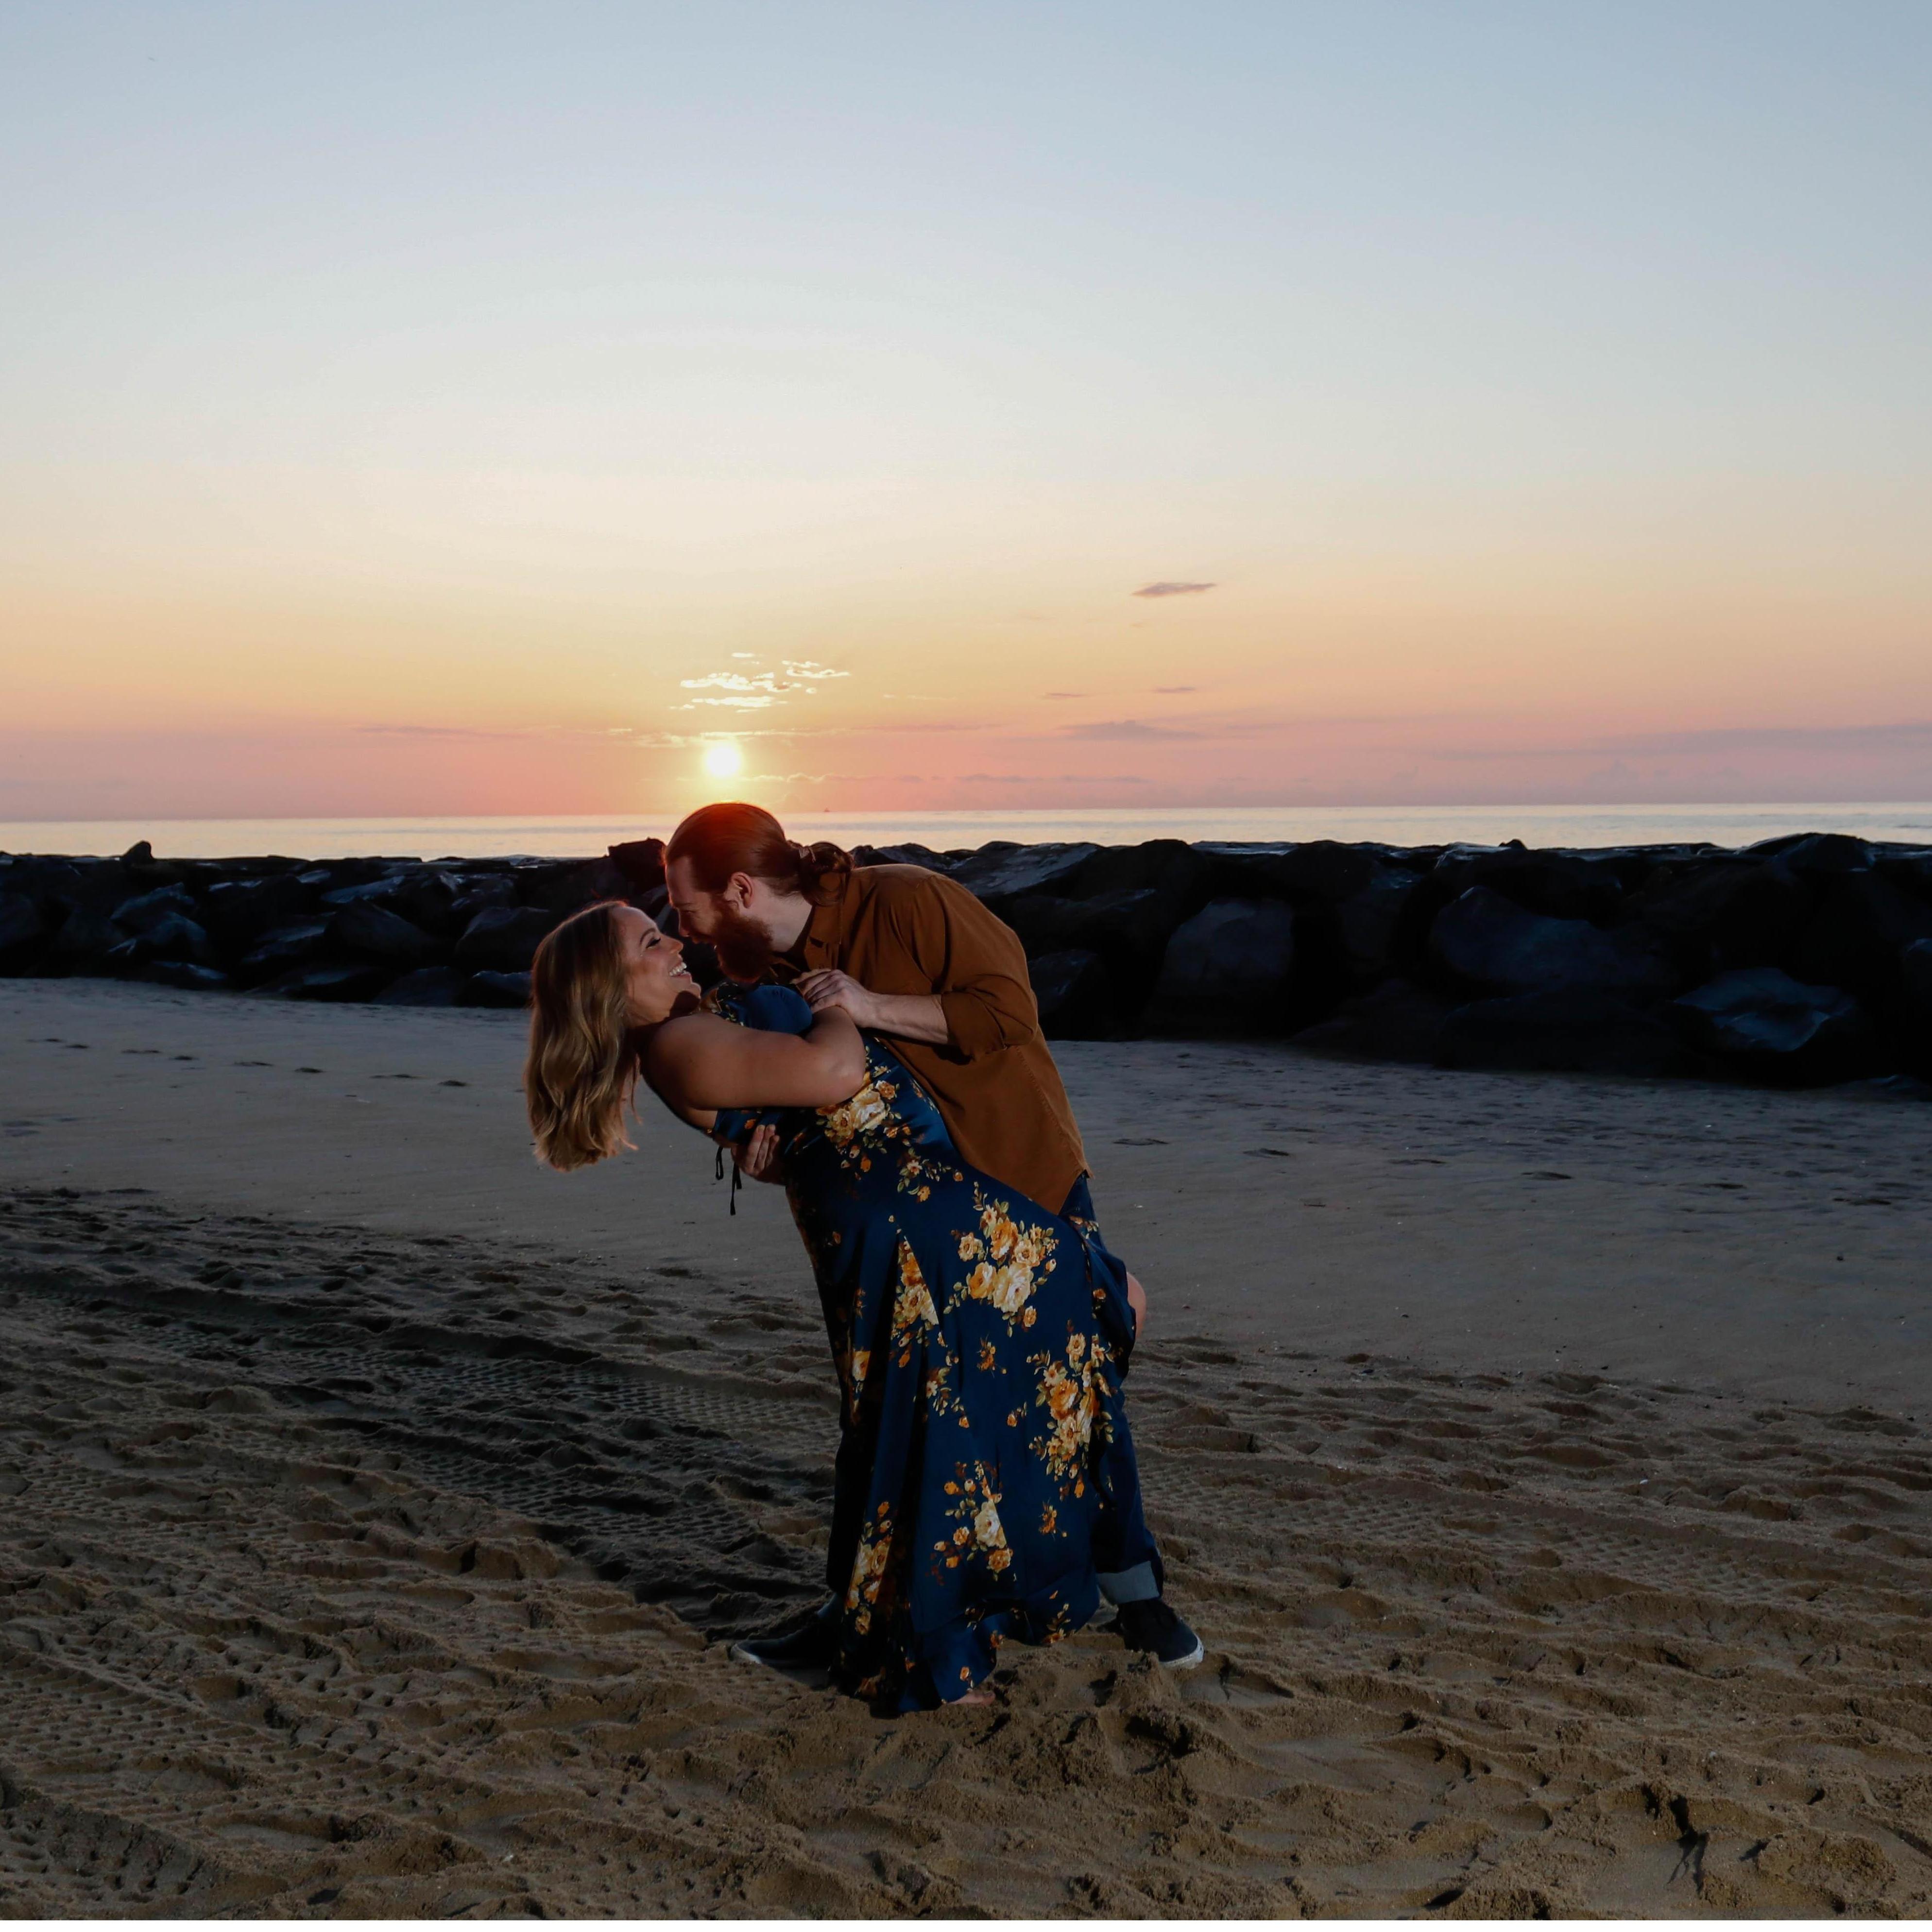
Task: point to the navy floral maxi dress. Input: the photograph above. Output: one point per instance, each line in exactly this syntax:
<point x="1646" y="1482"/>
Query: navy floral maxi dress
<point x="984" y="1458"/>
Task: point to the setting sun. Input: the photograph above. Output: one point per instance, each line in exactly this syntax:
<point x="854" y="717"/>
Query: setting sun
<point x="724" y="759"/>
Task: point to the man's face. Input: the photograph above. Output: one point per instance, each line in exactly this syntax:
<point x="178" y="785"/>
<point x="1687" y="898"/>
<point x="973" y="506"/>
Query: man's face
<point x="734" y="920"/>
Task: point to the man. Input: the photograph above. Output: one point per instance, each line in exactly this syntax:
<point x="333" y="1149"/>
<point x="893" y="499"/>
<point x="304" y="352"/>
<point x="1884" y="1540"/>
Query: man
<point x="909" y="954"/>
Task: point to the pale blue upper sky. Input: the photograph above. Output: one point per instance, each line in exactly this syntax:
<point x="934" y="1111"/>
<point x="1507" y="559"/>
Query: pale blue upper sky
<point x="301" y="301"/>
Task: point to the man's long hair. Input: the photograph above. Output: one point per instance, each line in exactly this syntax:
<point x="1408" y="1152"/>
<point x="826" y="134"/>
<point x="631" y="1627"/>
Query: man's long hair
<point x="718" y="840"/>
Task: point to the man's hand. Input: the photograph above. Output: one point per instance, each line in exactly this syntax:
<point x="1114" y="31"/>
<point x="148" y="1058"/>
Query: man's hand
<point x="914" y="1016"/>
<point x="832" y="991"/>
<point x="756" y="1156"/>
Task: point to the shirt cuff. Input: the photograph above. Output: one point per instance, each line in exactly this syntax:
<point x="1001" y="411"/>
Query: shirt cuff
<point x="975" y="1028"/>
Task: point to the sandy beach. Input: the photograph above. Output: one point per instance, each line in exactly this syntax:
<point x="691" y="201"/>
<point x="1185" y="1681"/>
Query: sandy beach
<point x="1544" y="1459"/>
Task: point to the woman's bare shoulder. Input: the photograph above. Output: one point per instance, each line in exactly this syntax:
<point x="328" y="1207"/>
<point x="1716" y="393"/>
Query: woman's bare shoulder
<point x="685" y="1034"/>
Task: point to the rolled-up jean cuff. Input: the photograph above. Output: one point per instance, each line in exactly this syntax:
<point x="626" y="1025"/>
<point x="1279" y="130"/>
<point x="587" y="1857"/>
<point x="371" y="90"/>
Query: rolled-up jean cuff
<point x="1136" y="1585"/>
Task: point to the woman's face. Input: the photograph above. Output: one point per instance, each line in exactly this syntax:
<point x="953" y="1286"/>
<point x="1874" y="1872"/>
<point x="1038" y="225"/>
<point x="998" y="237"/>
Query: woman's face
<point x="655" y="978"/>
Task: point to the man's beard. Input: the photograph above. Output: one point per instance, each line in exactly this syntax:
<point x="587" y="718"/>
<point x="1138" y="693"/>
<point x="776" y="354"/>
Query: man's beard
<point x="743" y="946"/>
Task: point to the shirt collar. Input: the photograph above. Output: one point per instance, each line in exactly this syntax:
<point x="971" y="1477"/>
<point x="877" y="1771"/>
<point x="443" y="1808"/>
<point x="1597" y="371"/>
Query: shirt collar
<point x="823" y="932"/>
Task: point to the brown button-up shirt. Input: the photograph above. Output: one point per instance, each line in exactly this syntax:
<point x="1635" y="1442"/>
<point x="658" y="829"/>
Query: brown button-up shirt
<point x="902" y="929"/>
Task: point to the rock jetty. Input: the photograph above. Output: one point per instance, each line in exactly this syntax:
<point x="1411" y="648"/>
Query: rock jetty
<point x="1804" y="960"/>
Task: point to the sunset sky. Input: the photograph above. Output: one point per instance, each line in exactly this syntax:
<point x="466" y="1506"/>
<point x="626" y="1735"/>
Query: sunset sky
<point x="477" y="409"/>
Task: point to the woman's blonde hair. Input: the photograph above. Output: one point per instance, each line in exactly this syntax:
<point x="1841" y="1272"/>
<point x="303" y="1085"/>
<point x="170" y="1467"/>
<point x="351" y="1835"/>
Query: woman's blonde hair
<point x="582" y="1069"/>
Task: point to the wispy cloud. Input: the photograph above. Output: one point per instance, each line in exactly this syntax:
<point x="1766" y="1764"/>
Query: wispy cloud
<point x="1129" y="731"/>
<point x="1173" y="690"/>
<point x="767" y="683"/>
<point x="1062" y="694"/>
<point x="756" y="691"/>
<point x="1165" y="589"/>
<point x="1033" y="777"/>
<point x="1906" y="736"/>
<point x="449" y="731"/>
<point x="1773" y="736"/>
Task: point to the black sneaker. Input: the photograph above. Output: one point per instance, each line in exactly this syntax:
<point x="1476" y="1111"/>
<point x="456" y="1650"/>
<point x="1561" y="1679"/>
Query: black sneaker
<point x="810" y="1645"/>
<point x="1149" y="1625"/>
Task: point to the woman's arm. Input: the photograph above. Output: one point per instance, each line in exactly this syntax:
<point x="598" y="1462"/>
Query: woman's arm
<point x="700" y="1063"/>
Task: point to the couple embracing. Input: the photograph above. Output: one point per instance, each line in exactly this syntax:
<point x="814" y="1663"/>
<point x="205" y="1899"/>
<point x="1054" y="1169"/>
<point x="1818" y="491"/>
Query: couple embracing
<point x="876" y="1048"/>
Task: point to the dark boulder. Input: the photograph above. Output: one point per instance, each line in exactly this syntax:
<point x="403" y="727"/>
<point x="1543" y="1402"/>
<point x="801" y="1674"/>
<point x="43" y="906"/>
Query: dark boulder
<point x="1813" y="855"/>
<point x="1762" y="1023"/>
<point x="1228" y="970"/>
<point x="145" y="871"/>
<point x="1003" y="871"/>
<point x="1559" y="885"/>
<point x="1396" y="1021"/>
<point x="1370" y="920"/>
<point x="54" y="885"/>
<point x="1129" y="929"/>
<point x="185" y="978"/>
<point x="563" y="888"/>
<point x="1170" y="867"/>
<point x="239" y="913"/>
<point x="283" y="951"/>
<point x="1320" y="869"/>
<point x="481" y="895"/>
<point x="1856" y="938"/>
<point x="910" y="854"/>
<point x="1572" y="1030"/>
<point x="495" y="989"/>
<point x="137" y="915"/>
<point x="1910" y="871"/>
<point x="1074" y="994"/>
<point x="1489" y="944"/>
<point x="641" y="861"/>
<point x="427" y="896"/>
<point x="1356" y="940"/>
<point x="99" y="884"/>
<point x="428" y="986"/>
<point x="1914" y="1007"/>
<point x="81" y="945"/>
<point x="331" y="875"/>
<point x="369" y="891"/>
<point x="366" y="931"/>
<point x="503" y="939"/>
<point x="171" y="936"/>
<point x="23" y="930"/>
<point x="1724" y="914"/>
<point x="333" y="983"/>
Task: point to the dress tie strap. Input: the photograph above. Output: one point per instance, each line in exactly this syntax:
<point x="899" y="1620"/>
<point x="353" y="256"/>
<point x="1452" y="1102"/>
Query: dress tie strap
<point x="737" y="1179"/>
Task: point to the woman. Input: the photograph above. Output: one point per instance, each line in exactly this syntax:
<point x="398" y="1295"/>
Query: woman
<point x="979" y="1340"/>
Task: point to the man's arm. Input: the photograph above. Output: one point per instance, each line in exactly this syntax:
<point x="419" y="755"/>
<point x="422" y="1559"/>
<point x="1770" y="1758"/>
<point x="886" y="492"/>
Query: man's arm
<point x="982" y="998"/>
<point x="914" y="1016"/>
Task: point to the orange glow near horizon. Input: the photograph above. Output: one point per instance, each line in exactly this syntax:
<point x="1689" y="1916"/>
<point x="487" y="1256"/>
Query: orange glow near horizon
<point x="1342" y="414"/>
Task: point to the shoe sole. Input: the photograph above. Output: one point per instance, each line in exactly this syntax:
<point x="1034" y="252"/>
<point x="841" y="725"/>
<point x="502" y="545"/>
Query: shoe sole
<point x="1195" y="1656"/>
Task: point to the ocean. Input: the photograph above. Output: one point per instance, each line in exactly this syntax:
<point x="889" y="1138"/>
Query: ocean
<point x="431" y="838"/>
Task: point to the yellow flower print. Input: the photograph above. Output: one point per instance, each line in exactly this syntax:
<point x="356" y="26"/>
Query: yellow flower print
<point x="1049" y="1521"/>
<point x="1010" y="1259"/>
<point x="913" y="1303"/>
<point x="977" y="1527"/>
<point x="865" y="1113"/>
<point x="989" y="1356"/>
<point x="868" y="1569"/>
<point x="1071" y="1400"/>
